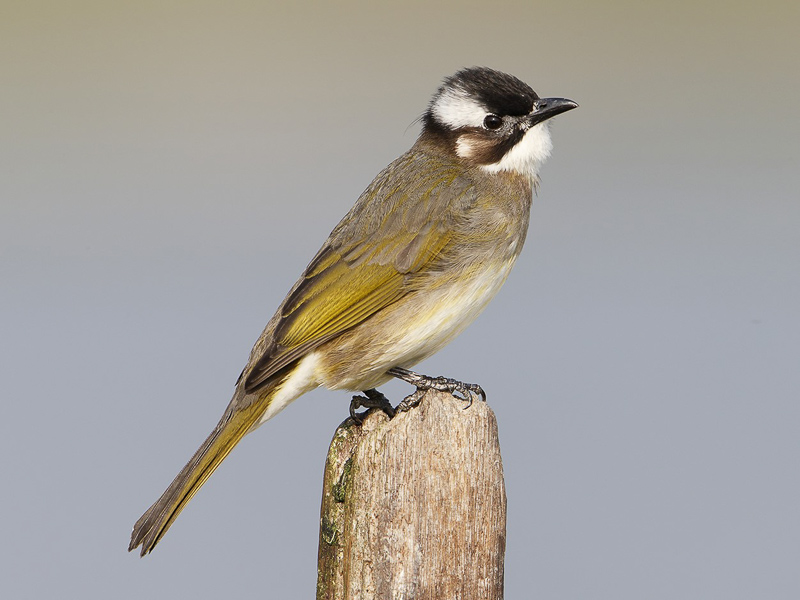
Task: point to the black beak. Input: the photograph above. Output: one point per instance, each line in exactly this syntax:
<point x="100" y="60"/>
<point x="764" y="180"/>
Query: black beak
<point x="547" y="108"/>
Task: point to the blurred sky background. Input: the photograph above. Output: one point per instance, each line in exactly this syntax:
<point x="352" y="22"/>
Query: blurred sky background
<point x="167" y="169"/>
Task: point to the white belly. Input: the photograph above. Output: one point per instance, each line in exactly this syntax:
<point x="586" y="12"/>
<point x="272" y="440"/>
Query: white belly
<point x="411" y="330"/>
<point x="447" y="315"/>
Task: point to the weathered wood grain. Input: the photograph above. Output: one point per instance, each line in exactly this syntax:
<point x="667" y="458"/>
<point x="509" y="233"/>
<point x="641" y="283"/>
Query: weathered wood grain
<point x="415" y="507"/>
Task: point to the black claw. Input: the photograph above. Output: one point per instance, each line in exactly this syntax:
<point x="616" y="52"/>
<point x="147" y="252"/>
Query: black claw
<point x="356" y="403"/>
<point x="371" y="399"/>
<point x="423" y="383"/>
<point x="411" y="400"/>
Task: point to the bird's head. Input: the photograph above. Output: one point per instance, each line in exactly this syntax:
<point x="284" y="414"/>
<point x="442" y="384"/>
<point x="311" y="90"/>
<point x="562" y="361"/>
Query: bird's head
<point x="493" y="120"/>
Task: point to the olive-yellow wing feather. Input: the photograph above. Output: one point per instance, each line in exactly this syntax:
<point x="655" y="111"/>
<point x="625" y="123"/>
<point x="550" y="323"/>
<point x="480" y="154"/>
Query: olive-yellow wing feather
<point x="369" y="260"/>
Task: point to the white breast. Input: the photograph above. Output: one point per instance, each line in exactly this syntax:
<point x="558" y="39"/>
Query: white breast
<point x="445" y="314"/>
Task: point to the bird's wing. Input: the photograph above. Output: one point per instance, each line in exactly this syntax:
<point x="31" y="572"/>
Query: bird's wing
<point x="398" y="227"/>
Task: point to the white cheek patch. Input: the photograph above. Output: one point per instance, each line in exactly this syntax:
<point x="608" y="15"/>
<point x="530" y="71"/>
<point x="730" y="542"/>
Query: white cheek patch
<point x="527" y="156"/>
<point x="454" y="109"/>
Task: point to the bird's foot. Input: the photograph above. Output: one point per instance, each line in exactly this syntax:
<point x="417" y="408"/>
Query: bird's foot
<point x="423" y="383"/>
<point x="371" y="399"/>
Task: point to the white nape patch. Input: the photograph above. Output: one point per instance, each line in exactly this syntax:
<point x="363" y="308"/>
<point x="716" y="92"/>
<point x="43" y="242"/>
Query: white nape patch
<point x="528" y="155"/>
<point x="303" y="379"/>
<point x="455" y="108"/>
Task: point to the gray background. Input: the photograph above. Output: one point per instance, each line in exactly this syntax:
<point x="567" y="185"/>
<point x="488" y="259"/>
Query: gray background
<point x="168" y="168"/>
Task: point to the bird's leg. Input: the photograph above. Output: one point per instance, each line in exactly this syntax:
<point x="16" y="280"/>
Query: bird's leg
<point x="423" y="383"/>
<point x="371" y="399"/>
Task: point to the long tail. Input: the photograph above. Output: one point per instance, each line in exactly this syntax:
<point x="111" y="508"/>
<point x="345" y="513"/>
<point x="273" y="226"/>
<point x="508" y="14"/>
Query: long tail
<point x="233" y="426"/>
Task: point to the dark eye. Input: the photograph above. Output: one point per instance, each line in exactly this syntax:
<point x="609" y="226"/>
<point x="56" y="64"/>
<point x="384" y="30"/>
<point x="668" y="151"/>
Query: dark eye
<point x="492" y="122"/>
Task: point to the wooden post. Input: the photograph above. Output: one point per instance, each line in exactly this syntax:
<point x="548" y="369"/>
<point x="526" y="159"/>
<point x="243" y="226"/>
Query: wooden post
<point x="415" y="507"/>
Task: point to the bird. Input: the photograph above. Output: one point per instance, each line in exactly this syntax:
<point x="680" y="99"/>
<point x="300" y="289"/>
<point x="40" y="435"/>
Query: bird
<point x="424" y="249"/>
